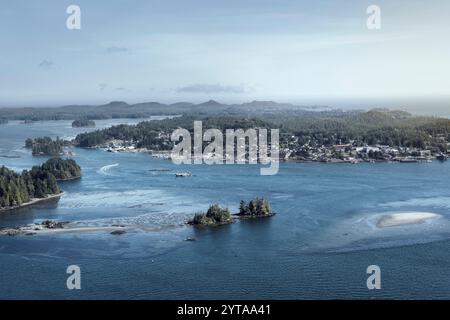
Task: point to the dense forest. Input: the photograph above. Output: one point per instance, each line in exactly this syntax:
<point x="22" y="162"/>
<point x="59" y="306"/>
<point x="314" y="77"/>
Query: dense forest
<point x="82" y="123"/>
<point x="216" y="215"/>
<point x="255" y="208"/>
<point x="393" y="128"/>
<point x="46" y="146"/>
<point x="62" y="169"/>
<point x="153" y="134"/>
<point x="17" y="189"/>
<point x="39" y="182"/>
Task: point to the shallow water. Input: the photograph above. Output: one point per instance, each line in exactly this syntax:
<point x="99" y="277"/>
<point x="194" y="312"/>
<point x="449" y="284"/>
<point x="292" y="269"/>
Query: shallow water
<point x="317" y="246"/>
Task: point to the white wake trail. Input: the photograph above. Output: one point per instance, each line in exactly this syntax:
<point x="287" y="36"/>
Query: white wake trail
<point x="105" y="170"/>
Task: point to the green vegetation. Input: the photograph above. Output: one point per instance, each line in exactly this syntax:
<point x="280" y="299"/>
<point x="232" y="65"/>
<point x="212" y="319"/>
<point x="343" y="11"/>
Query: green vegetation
<point x="393" y="128"/>
<point x="216" y="215"/>
<point x="62" y="169"/>
<point x="299" y="126"/>
<point x="120" y="109"/>
<point x="255" y="208"/>
<point x="155" y="135"/>
<point x="38" y="183"/>
<point x="81" y="123"/>
<point x="46" y="146"/>
<point x="17" y="189"/>
<point x="299" y="130"/>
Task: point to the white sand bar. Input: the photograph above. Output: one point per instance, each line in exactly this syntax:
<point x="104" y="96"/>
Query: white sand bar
<point x="399" y="219"/>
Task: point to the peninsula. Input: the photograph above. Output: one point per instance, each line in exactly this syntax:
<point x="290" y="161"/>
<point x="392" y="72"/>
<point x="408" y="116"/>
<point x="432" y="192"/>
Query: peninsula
<point x="336" y="136"/>
<point x="39" y="184"/>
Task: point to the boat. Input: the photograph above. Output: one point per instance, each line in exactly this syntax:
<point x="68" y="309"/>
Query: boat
<point x="442" y="157"/>
<point x="408" y="160"/>
<point x="183" y="174"/>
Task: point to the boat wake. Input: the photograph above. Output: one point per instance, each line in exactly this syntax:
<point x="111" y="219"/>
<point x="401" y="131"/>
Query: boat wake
<point x="106" y="169"/>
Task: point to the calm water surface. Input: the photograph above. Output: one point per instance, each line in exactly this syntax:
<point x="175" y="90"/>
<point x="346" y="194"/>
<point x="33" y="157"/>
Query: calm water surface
<point x="317" y="246"/>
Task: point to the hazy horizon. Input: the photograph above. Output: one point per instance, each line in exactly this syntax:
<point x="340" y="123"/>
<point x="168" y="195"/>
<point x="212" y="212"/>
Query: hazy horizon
<point x="319" y="53"/>
<point x="432" y="106"/>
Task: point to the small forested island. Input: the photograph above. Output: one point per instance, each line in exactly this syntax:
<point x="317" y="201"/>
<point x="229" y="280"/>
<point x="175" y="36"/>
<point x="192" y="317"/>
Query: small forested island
<point x="217" y="215"/>
<point x="258" y="207"/>
<point x="46" y="146"/>
<point x="83" y="123"/>
<point x="38" y="184"/>
<point x="62" y="169"/>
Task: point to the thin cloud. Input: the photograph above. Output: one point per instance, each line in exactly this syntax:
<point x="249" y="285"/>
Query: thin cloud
<point x="46" y="64"/>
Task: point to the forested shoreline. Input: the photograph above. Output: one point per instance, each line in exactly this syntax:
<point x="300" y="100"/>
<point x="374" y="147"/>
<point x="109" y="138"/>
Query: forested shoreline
<point x="17" y="189"/>
<point x="392" y="128"/>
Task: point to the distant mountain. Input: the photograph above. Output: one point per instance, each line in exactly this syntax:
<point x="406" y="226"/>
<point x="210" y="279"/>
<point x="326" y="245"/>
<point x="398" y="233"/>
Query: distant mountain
<point x="181" y="104"/>
<point x="115" y="104"/>
<point x="266" y="104"/>
<point x="210" y="103"/>
<point x="121" y="109"/>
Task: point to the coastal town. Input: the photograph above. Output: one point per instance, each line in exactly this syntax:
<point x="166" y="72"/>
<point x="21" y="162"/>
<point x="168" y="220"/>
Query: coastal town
<point x="352" y="153"/>
<point x="293" y="152"/>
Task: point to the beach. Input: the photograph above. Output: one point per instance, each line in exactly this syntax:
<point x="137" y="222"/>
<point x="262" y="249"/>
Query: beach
<point x="32" y="202"/>
<point x="405" y="218"/>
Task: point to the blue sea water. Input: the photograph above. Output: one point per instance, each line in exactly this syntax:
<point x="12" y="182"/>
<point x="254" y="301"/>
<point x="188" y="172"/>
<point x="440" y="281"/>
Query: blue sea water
<point x="318" y="246"/>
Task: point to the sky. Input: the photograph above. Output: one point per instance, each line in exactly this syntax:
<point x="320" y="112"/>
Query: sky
<point x="310" y="52"/>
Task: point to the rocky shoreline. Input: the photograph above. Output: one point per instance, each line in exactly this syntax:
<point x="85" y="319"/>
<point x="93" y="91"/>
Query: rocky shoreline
<point x="53" y="226"/>
<point x="33" y="228"/>
<point x="234" y="217"/>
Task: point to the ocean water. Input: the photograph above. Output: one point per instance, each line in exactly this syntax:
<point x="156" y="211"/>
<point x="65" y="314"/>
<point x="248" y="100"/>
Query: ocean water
<point x="318" y="246"/>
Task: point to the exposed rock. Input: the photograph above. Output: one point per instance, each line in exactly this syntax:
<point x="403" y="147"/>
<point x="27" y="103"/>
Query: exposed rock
<point x="32" y="228"/>
<point x="12" y="232"/>
<point x="118" y="232"/>
<point x="51" y="224"/>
